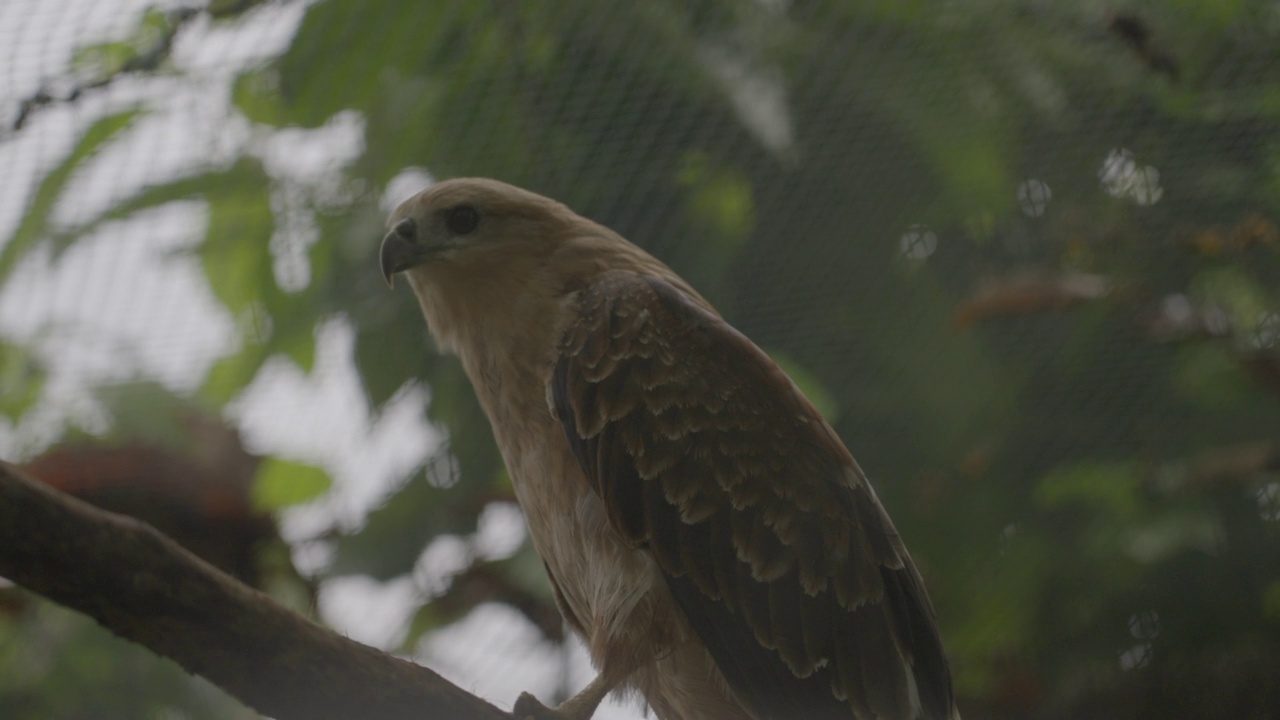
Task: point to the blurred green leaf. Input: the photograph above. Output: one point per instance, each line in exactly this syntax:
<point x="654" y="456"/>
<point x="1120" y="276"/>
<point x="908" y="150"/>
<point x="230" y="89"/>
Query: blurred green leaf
<point x="1162" y="537"/>
<point x="1220" y="13"/>
<point x="1106" y="487"/>
<point x="236" y="251"/>
<point x="974" y="170"/>
<point x="21" y="379"/>
<point x="300" y="345"/>
<point x="1271" y="602"/>
<point x="386" y="362"/>
<point x="140" y="51"/>
<point x="35" y="223"/>
<point x="55" y="662"/>
<point x="283" y="483"/>
<point x="231" y="374"/>
<point x="1209" y="377"/>
<point x="809" y="385"/>
<point x="1003" y="621"/>
<point x="230" y="8"/>
<point x="1232" y="290"/>
<point x="149" y="412"/>
<point x="105" y="58"/>
<point x="719" y="197"/>
<point x="256" y="93"/>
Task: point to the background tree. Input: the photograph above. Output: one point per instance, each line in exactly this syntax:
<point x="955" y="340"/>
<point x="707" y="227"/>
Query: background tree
<point x="1025" y="255"/>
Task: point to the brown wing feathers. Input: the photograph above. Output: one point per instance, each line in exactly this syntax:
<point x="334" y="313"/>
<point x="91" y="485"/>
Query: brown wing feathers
<point x="770" y="539"/>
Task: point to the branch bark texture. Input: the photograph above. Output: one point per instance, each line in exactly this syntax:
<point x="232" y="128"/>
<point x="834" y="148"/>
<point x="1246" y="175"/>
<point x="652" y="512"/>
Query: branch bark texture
<point x="144" y="587"/>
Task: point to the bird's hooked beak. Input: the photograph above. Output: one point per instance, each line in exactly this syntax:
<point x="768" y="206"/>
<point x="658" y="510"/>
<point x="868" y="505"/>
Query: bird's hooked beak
<point x="401" y="251"/>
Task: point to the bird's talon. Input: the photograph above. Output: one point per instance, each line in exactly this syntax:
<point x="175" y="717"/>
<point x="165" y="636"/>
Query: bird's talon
<point x="528" y="707"/>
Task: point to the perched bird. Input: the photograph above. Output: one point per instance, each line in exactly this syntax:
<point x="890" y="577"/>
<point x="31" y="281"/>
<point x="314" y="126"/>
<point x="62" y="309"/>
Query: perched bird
<point x="706" y="532"/>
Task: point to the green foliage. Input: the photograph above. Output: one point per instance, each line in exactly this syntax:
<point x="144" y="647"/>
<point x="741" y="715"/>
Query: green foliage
<point x="1271" y="602"/>
<point x="809" y="384"/>
<point x="718" y="197"/>
<point x="105" y="60"/>
<point x="21" y="379"/>
<point x="36" y="222"/>
<point x="1108" y="489"/>
<point x="55" y="665"/>
<point x="149" y="413"/>
<point x="1056" y="401"/>
<point x="1208" y="377"/>
<point x="281" y="483"/>
<point x="234" y="252"/>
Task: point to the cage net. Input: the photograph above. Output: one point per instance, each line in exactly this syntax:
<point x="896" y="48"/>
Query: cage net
<point x="1022" y="255"/>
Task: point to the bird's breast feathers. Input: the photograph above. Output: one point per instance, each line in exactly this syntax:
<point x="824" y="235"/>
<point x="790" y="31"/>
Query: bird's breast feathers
<point x="601" y="580"/>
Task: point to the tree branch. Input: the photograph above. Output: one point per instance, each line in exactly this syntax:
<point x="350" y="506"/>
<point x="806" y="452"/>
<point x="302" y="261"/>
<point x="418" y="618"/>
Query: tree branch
<point x="144" y="587"/>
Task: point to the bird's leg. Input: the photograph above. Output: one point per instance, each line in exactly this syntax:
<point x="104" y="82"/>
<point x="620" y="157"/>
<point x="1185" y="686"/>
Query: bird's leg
<point x="579" y="707"/>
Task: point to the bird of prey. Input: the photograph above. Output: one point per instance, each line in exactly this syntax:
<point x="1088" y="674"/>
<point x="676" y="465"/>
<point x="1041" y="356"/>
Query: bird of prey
<point x="705" y="531"/>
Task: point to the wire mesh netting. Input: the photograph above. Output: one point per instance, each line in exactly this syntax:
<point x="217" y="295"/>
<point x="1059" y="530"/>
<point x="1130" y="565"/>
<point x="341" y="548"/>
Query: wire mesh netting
<point x="1023" y="255"/>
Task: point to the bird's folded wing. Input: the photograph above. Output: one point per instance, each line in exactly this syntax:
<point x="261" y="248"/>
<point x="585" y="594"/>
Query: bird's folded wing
<point x="770" y="537"/>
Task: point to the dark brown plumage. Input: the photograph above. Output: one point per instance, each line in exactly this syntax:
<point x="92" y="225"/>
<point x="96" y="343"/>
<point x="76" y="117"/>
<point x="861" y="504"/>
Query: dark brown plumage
<point x="706" y="531"/>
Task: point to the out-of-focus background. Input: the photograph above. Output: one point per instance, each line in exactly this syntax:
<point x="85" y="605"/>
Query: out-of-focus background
<point x="1024" y="255"/>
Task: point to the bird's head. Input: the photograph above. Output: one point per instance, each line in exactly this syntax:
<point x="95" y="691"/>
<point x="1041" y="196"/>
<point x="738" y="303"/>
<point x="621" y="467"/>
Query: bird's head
<point x="494" y="266"/>
<point x="471" y="226"/>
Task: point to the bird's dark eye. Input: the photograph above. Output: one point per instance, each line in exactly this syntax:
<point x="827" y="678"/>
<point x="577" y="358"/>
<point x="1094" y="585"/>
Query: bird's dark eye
<point x="406" y="228"/>
<point x="462" y="220"/>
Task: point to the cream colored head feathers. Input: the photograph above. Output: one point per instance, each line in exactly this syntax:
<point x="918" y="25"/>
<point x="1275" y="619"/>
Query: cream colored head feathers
<point x="490" y="262"/>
